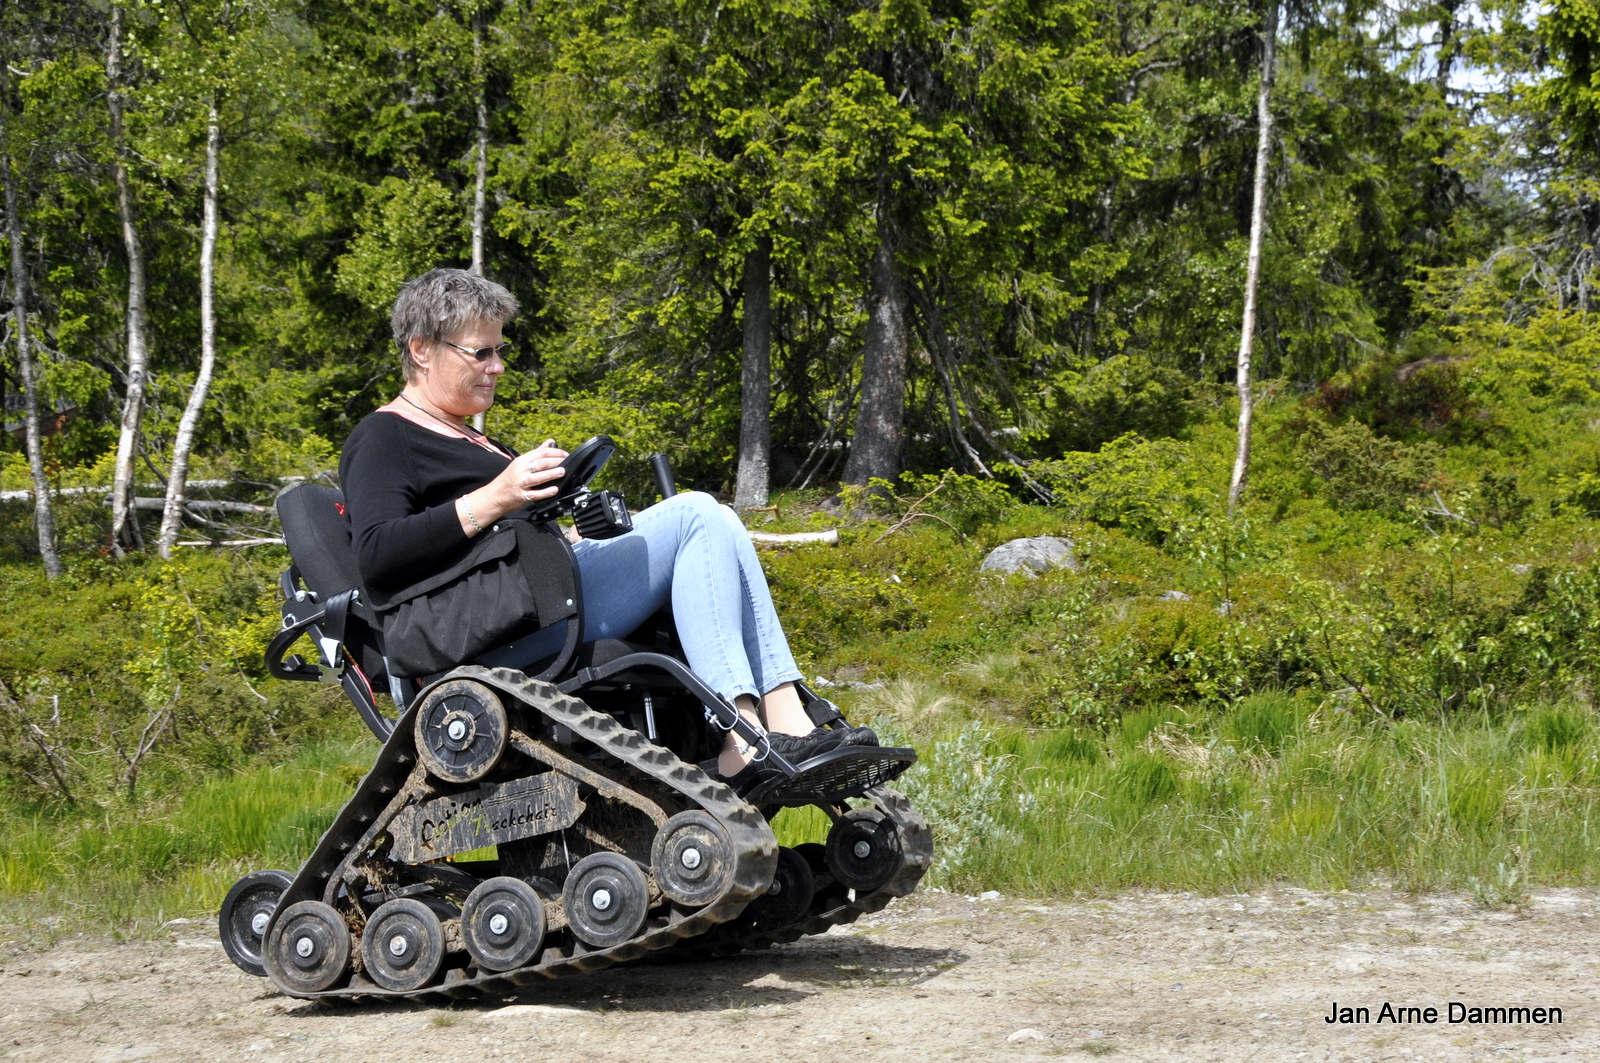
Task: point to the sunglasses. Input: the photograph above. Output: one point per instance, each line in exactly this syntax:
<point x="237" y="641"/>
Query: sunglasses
<point x="482" y="353"/>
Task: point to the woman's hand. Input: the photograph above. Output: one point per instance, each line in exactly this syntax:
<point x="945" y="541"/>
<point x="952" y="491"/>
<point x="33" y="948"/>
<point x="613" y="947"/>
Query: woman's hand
<point x="529" y="478"/>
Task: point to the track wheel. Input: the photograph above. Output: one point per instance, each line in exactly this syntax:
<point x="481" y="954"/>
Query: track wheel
<point x="309" y="949"/>
<point x="863" y="850"/>
<point x="244" y="915"/>
<point x="502" y="924"/>
<point x="461" y="731"/>
<point x="605" y="898"/>
<point x="692" y="858"/>
<point x="788" y="899"/>
<point x="403" y="945"/>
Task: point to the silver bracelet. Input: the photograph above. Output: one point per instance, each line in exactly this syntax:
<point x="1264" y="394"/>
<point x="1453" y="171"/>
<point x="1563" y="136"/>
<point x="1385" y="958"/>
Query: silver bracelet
<point x="470" y="518"/>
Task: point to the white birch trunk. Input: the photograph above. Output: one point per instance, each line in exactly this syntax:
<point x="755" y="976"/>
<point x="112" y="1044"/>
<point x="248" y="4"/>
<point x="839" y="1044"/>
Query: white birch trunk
<point x="178" y="479"/>
<point x="479" y="196"/>
<point x="1258" y="225"/>
<point x="43" y="514"/>
<point x="122" y="526"/>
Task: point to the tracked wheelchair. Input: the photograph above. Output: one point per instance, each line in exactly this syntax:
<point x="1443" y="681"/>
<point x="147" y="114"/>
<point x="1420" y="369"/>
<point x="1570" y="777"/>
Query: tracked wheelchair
<point x="537" y="811"/>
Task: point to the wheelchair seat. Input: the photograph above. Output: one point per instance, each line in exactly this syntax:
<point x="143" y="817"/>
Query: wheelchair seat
<point x="324" y="597"/>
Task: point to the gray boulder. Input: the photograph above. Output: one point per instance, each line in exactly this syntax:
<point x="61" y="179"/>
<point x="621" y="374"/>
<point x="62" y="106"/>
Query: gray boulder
<point x="1032" y="556"/>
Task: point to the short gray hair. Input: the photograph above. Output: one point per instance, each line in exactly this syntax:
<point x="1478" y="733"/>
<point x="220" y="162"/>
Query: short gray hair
<point x="442" y="302"/>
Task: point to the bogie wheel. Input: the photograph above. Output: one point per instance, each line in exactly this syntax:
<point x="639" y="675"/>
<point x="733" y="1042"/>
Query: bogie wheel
<point x="244" y="915"/>
<point x="503" y="924"/>
<point x="461" y="731"/>
<point x="309" y="948"/>
<point x="815" y="854"/>
<point x="788" y="899"/>
<point x="403" y="946"/>
<point x="863" y="850"/>
<point x="692" y="858"/>
<point x="605" y="898"/>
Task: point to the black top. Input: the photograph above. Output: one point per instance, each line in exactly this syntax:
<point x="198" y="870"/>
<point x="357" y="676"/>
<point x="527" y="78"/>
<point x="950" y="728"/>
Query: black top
<point x="400" y="484"/>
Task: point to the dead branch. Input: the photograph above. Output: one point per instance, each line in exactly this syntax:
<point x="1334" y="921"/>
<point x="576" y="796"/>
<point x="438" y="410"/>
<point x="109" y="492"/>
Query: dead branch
<point x="52" y="757"/>
<point x="914" y="512"/>
<point x="147" y="740"/>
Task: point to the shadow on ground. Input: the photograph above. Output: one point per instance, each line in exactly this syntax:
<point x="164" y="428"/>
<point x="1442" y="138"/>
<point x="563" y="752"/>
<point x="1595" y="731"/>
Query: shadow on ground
<point x="782" y="975"/>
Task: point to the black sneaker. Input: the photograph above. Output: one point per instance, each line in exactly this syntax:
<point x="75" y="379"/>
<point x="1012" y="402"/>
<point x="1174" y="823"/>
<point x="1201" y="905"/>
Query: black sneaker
<point x="826" y="715"/>
<point x="814" y="743"/>
<point x="754" y="774"/>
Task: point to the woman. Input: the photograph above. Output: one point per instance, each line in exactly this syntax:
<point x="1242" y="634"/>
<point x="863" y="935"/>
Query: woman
<point x="421" y="483"/>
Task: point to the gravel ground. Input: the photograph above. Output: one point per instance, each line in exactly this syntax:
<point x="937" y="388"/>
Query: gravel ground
<point x="1141" y="975"/>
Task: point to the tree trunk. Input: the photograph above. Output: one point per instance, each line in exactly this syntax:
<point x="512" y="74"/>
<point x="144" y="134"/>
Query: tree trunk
<point x="123" y="527"/>
<point x="880" y="422"/>
<point x="479" y="197"/>
<point x="755" y="419"/>
<point x="43" y="515"/>
<point x="178" y="479"/>
<point x="1448" y="47"/>
<point x="1258" y="225"/>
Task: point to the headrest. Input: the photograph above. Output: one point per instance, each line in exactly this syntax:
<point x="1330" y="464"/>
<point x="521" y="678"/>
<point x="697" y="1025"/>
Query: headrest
<point x="317" y="533"/>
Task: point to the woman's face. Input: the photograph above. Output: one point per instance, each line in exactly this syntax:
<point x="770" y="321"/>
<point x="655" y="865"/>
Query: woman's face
<point x="453" y="380"/>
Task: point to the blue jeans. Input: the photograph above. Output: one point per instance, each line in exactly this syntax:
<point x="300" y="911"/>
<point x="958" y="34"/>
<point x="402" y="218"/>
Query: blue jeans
<point x="695" y="554"/>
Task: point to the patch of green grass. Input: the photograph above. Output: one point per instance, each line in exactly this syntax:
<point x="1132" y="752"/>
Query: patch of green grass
<point x="1466" y="804"/>
<point x="131" y="867"/>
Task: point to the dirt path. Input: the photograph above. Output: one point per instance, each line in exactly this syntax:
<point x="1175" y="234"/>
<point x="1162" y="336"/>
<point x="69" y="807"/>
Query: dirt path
<point x="1143" y="976"/>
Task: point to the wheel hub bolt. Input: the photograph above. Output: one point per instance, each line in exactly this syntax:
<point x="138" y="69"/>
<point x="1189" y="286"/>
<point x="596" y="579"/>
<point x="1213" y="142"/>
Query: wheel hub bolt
<point x="258" y="925"/>
<point x="457" y="730"/>
<point x="863" y="850"/>
<point x="774" y="889"/>
<point x="398" y="946"/>
<point x="498" y="924"/>
<point x="304" y="947"/>
<point x="691" y="858"/>
<point x="601" y="899"/>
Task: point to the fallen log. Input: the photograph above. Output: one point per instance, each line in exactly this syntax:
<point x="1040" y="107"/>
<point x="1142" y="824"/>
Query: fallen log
<point x="830" y="536"/>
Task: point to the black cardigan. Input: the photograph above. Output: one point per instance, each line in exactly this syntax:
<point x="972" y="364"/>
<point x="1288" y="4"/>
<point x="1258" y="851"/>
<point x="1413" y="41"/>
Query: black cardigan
<point x="400" y="484"/>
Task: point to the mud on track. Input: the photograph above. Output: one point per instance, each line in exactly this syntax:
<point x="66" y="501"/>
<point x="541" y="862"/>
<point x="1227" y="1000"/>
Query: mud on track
<point x="1137" y="976"/>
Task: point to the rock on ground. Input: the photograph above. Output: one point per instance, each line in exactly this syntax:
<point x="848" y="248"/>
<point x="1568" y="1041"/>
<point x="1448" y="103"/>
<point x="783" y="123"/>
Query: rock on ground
<point x="1032" y="556"/>
<point x="1143" y="975"/>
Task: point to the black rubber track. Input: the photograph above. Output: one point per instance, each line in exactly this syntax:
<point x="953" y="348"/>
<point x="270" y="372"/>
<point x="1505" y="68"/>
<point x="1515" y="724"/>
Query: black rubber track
<point x="385" y="791"/>
<point x="916" y="856"/>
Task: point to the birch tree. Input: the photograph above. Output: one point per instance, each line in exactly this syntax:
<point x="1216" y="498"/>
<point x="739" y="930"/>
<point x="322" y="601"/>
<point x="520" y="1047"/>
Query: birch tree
<point x="44" y="517"/>
<point x="183" y="444"/>
<point x="124" y="527"/>
<point x="1258" y="225"/>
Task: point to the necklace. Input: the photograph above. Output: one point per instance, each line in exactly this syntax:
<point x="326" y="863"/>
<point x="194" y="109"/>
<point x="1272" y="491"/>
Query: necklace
<point x="471" y="435"/>
<point x="468" y="429"/>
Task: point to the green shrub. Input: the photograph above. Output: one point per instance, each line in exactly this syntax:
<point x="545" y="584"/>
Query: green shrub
<point x="1148" y="487"/>
<point x="1120" y="396"/>
<point x="1357" y="469"/>
<point x="966" y="502"/>
<point x="1499" y="502"/>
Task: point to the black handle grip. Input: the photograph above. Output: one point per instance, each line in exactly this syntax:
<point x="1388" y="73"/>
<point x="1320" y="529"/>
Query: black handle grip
<point x="663" y="471"/>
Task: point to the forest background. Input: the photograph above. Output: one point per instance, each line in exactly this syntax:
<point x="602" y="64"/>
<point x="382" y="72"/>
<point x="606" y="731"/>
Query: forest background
<point x="988" y="257"/>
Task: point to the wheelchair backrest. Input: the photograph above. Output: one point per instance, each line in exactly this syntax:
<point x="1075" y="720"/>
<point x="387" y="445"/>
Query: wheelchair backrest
<point x="317" y="533"/>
